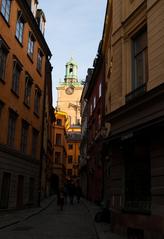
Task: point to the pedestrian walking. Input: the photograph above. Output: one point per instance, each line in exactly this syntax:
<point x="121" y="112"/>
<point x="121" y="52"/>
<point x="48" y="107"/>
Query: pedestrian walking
<point x="66" y="191"/>
<point x="78" y="192"/>
<point x="61" y="200"/>
<point x="71" y="192"/>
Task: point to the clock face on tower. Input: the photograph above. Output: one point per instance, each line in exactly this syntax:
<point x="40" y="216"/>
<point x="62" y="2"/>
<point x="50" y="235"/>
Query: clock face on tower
<point x="69" y="90"/>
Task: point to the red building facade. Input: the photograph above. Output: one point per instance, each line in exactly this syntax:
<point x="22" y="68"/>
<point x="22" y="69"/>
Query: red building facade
<point x="95" y="99"/>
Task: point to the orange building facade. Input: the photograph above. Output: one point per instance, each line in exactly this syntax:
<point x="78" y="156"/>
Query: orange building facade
<point x="59" y="154"/>
<point x="72" y="161"/>
<point x="23" y="56"/>
<point x="66" y="151"/>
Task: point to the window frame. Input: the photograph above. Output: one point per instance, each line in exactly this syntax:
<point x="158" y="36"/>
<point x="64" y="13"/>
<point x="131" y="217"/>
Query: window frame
<point x="143" y="52"/>
<point x="28" y="89"/>
<point x="70" y="159"/>
<point x="30" y="45"/>
<point x="70" y="146"/>
<point x="35" y="135"/>
<point x="37" y="99"/>
<point x="39" y="61"/>
<point x="100" y="89"/>
<point x="19" y="27"/>
<point x="57" y="122"/>
<point x="6" y="5"/>
<point x="58" y="142"/>
<point x="1" y="107"/>
<point x="4" y="50"/>
<point x="11" y="127"/>
<point x="57" y="158"/>
<point x="16" y="78"/>
<point x="94" y="102"/>
<point x="24" y="136"/>
<point x="31" y="190"/>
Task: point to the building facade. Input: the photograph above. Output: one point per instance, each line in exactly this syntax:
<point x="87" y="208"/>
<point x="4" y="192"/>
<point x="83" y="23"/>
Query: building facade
<point x="84" y="136"/>
<point x="47" y="138"/>
<point x="69" y="93"/>
<point x="60" y="150"/>
<point x="95" y="99"/>
<point x="24" y="54"/>
<point x="73" y="139"/>
<point x="133" y="47"/>
<point x="68" y="103"/>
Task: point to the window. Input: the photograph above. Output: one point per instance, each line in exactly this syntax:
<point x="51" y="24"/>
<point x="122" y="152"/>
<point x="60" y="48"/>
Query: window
<point x="70" y="146"/>
<point x="5" y="190"/>
<point x="5" y="9"/>
<point x="39" y="60"/>
<point x="28" y="86"/>
<point x="69" y="172"/>
<point x="137" y="177"/>
<point x="41" y="20"/>
<point x="37" y="100"/>
<point x="94" y="102"/>
<point x="58" y="139"/>
<point x="3" y="57"/>
<point x="1" y="106"/>
<point x="34" y="4"/>
<point x="31" y="190"/>
<point x="20" y="27"/>
<point x="24" y="136"/>
<point x="11" y="127"/>
<point x="59" y="122"/>
<point x="20" y="191"/>
<point x="100" y="90"/>
<point x="31" y="41"/>
<point x="71" y="70"/>
<point x="78" y="121"/>
<point x="70" y="158"/>
<point x="57" y="157"/>
<point x="140" y="61"/>
<point x="16" y="75"/>
<point x="35" y="134"/>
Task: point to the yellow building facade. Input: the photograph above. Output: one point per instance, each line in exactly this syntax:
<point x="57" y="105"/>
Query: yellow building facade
<point x="59" y="153"/>
<point x="73" y="153"/>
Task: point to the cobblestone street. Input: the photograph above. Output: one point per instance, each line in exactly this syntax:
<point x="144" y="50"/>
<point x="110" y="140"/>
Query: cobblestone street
<point x="73" y="222"/>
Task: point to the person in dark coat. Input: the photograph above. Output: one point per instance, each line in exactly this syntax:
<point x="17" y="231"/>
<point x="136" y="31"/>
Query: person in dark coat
<point x="78" y="192"/>
<point x="61" y="200"/>
<point x="71" y="192"/>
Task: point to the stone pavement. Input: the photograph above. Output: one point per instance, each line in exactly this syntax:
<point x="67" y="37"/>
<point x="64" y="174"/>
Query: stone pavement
<point x="10" y="218"/>
<point x="102" y="229"/>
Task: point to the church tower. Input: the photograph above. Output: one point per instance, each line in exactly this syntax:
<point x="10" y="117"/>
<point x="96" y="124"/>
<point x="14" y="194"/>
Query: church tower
<point x="69" y="93"/>
<point x="71" y="72"/>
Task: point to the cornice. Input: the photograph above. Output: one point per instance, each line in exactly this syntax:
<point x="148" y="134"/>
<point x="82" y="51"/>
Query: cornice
<point x="34" y="26"/>
<point x="148" y="97"/>
<point x="8" y="150"/>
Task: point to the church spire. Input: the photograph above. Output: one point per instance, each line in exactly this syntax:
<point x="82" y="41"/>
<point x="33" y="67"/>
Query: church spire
<point x="71" y="71"/>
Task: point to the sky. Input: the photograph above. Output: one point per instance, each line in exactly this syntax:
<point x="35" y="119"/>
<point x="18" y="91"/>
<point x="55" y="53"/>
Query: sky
<point x="73" y="29"/>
